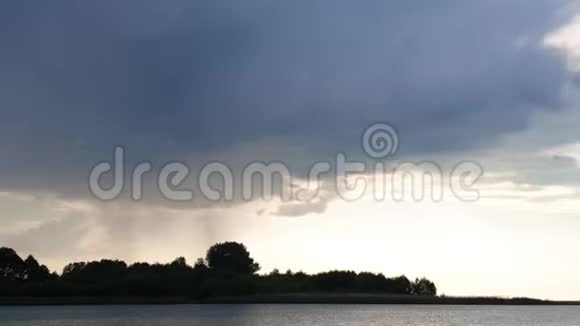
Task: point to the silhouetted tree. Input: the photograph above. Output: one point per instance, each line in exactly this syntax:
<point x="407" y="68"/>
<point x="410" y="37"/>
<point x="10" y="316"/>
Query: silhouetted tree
<point x="369" y="282"/>
<point x="399" y="285"/>
<point x="231" y="258"/>
<point x="335" y="280"/>
<point x="200" y="271"/>
<point x="11" y="265"/>
<point x="109" y="270"/>
<point x="424" y="287"/>
<point x="34" y="271"/>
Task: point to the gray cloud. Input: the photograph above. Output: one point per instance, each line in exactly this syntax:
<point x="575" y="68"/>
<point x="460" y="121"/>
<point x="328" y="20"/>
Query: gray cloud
<point x="566" y="159"/>
<point x="301" y="209"/>
<point x="321" y="198"/>
<point x="174" y="79"/>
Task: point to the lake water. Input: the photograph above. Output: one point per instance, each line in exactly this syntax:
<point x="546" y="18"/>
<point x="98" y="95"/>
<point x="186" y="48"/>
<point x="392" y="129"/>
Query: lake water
<point x="289" y="315"/>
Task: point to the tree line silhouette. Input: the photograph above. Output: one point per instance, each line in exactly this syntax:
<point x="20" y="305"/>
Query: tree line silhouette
<point x="227" y="270"/>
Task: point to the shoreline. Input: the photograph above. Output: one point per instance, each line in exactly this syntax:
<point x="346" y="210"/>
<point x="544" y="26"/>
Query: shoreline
<point x="305" y="298"/>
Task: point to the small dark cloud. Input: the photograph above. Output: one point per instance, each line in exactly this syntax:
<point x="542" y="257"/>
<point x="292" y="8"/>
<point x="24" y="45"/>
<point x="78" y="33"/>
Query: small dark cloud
<point x="301" y="209"/>
<point x="322" y="197"/>
<point x="565" y="159"/>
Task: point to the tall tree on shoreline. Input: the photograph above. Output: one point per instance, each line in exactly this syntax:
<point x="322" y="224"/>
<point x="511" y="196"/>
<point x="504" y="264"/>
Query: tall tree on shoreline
<point x="12" y="267"/>
<point x="231" y="258"/>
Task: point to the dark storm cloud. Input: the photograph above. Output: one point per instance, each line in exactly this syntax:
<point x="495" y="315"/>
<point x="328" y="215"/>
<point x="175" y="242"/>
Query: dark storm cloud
<point x="174" y="78"/>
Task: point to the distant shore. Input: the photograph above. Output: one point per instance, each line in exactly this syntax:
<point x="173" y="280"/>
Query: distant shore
<point x="305" y="298"/>
<point x="363" y="298"/>
<point x="227" y="275"/>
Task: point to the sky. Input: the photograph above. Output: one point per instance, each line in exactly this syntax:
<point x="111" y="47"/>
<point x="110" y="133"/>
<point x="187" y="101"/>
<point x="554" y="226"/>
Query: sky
<point x="495" y="83"/>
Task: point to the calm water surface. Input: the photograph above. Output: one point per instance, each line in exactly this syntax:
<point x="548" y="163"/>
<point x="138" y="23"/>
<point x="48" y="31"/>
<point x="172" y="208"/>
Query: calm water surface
<point x="288" y="315"/>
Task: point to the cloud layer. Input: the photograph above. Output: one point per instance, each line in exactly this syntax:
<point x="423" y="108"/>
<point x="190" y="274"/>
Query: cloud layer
<point x="194" y="78"/>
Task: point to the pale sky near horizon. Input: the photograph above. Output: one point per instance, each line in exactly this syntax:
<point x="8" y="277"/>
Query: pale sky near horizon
<point x="495" y="82"/>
